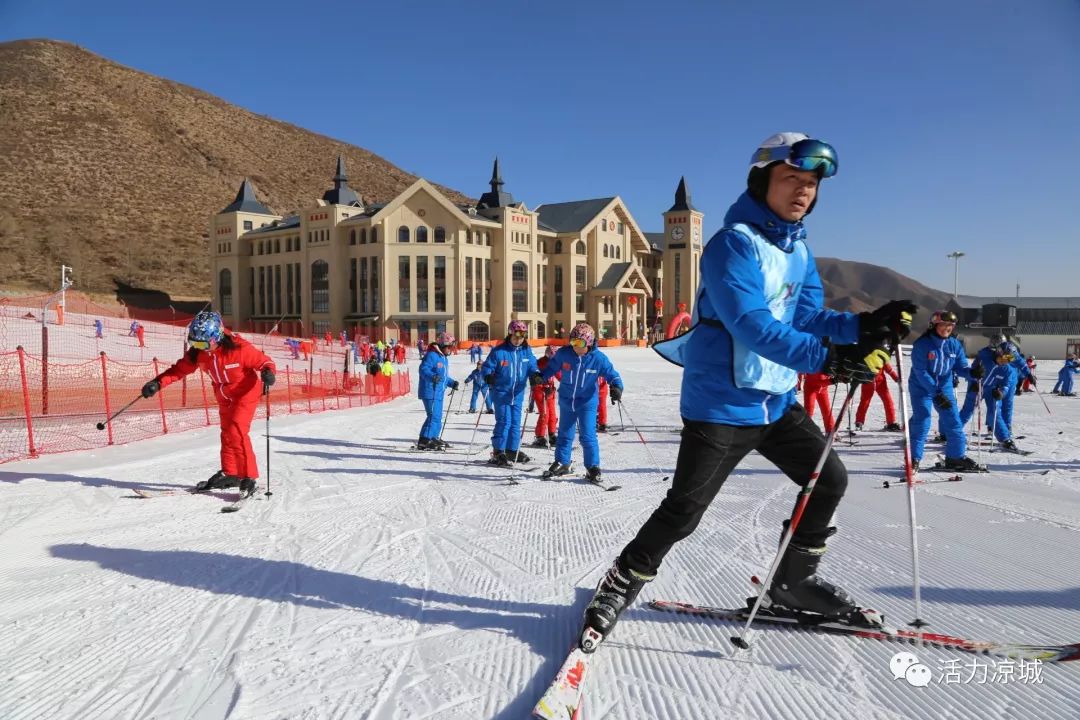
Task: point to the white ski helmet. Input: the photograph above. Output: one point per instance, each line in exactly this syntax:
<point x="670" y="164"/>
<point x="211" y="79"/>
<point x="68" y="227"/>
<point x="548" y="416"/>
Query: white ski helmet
<point x="795" y="149"/>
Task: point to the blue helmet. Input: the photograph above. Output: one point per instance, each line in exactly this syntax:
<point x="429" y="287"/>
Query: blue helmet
<point x="206" y="327"/>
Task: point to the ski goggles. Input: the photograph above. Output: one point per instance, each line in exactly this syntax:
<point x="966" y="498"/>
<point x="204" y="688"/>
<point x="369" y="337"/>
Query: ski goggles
<point x="519" y="334"/>
<point x="199" y="344"/>
<point x="578" y="342"/>
<point x="810" y="155"/>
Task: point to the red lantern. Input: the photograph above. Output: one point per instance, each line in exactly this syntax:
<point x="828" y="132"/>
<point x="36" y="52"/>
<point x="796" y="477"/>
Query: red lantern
<point x="682" y="307"/>
<point x="658" y="304"/>
<point x="632" y="300"/>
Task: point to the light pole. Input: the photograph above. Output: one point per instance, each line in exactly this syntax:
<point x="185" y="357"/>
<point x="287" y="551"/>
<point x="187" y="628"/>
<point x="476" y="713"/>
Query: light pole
<point x="955" y="255"/>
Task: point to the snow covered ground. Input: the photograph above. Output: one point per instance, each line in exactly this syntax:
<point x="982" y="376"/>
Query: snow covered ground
<point x="381" y="584"/>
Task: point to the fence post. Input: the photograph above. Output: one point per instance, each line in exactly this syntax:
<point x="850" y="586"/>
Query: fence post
<point x="288" y="388"/>
<point x="183" y="391"/>
<point x="44" y="366"/>
<point x="108" y="405"/>
<point x="161" y="402"/>
<point x="205" y="401"/>
<point x="26" y="400"/>
<point x="322" y="389"/>
<point x="310" y="378"/>
<point x="337" y="391"/>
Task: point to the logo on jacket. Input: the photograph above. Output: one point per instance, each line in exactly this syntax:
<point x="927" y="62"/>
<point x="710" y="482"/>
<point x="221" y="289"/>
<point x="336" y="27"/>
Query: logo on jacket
<point x="931" y="355"/>
<point x="504" y="363"/>
<point x="785" y="291"/>
<point x="566" y="366"/>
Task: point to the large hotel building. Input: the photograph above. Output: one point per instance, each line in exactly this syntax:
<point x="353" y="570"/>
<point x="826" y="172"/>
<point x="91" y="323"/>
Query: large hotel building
<point x="420" y="264"/>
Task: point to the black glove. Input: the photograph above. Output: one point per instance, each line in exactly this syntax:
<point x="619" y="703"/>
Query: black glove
<point x="536" y="379"/>
<point x="490" y="379"/>
<point x="977" y="371"/>
<point x="955" y="381"/>
<point x="435" y="379"/>
<point x="892" y="318"/>
<point x="857" y="364"/>
<point x="942" y="402"/>
<point x="615" y="392"/>
<point x="549" y="390"/>
<point x="1032" y="379"/>
<point x="453" y="384"/>
<point x="997" y="393"/>
<point x="267" y="376"/>
<point x="150" y="389"/>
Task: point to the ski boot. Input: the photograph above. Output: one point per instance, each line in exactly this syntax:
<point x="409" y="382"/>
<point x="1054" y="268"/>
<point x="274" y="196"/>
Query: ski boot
<point x="914" y="467"/>
<point x="963" y="464"/>
<point x="553" y="439"/>
<point x="217" y="481"/>
<point x="438" y="444"/>
<point x="498" y="459"/>
<point x="1009" y="446"/>
<point x="247" y="487"/>
<point x="617" y="589"/>
<point x="424" y="444"/>
<point x="540" y="442"/>
<point x="557" y="469"/>
<point x="797" y="587"/>
<point x="489" y="411"/>
<point x="939" y="438"/>
<point x="858" y="427"/>
<point x="593" y="474"/>
<point x="518" y="457"/>
<point x="893" y="427"/>
<point x="601" y="427"/>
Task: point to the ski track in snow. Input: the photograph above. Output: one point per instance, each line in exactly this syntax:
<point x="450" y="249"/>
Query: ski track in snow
<point x="384" y="585"/>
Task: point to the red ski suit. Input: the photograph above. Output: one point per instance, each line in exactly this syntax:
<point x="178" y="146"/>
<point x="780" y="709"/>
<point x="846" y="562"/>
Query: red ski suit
<point x="601" y="405"/>
<point x="233" y="367"/>
<point x="547" y="421"/>
<point x="816" y="390"/>
<point x="881" y="387"/>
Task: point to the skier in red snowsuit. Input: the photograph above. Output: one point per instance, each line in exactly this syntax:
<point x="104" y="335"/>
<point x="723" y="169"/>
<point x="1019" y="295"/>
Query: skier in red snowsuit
<point x="881" y="387"/>
<point x="239" y="373"/>
<point x="543" y="395"/>
<point x="601" y="408"/>
<point x="815" y="388"/>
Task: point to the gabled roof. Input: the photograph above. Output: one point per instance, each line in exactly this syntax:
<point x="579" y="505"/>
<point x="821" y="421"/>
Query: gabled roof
<point x="682" y="197"/>
<point x="246" y="201"/>
<point x="618" y="274"/>
<point x="442" y="200"/>
<point x="1027" y="303"/>
<point x="656" y="241"/>
<point x="571" y="216"/>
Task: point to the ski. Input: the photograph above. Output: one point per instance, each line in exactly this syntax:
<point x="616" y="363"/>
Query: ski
<point x="564" y="697"/>
<point x="146" y="494"/>
<point x="238" y="503"/>
<point x="1044" y="653"/>
<point x="885" y="484"/>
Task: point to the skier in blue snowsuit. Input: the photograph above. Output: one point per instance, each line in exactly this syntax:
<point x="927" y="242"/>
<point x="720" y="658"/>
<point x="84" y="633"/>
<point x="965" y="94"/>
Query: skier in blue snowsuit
<point x="581" y="365"/>
<point x="998" y="386"/>
<point x="475" y="353"/>
<point x="986" y="358"/>
<point x="476" y="377"/>
<point x="433" y="381"/>
<point x="1064" y="384"/>
<point x="508" y="369"/>
<point x="935" y="358"/>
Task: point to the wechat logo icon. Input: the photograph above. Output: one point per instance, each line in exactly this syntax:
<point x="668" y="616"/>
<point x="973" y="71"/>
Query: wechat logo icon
<point x="905" y="665"/>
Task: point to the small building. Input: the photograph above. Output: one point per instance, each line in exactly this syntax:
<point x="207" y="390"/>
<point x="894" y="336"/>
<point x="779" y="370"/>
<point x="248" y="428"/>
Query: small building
<point x="1045" y="327"/>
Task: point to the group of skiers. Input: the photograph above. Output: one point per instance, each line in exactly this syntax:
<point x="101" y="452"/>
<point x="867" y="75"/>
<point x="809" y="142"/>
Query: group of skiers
<point x="500" y="381"/>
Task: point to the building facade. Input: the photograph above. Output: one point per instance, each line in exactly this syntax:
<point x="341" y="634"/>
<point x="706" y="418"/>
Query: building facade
<point x="420" y="264"/>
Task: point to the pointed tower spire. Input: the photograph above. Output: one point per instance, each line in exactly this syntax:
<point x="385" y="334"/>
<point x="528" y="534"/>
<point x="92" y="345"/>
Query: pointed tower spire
<point x="496" y="176"/>
<point x="496" y="197"/>
<point x="342" y="194"/>
<point x="246" y="201"/>
<point x="339" y="176"/>
<point x="682" y="197"/>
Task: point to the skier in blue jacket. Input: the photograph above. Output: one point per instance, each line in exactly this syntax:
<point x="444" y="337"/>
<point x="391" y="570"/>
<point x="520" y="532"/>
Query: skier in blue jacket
<point x="508" y="369"/>
<point x="935" y="357"/>
<point x="475" y="352"/>
<point x="1064" y="385"/>
<point x="432" y="384"/>
<point x="759" y="320"/>
<point x="998" y="386"/>
<point x="479" y="388"/>
<point x="581" y="365"/>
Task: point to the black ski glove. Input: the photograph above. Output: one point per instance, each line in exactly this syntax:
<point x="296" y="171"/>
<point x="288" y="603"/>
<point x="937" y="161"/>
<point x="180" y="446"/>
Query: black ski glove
<point x="615" y="392"/>
<point x="549" y="390"/>
<point x="894" y="317"/>
<point x="955" y="381"/>
<point x="857" y="364"/>
<point x="997" y="393"/>
<point x="151" y="388"/>
<point x="490" y="379"/>
<point x="977" y="371"/>
<point x="536" y="379"/>
<point x="267" y="376"/>
<point x="1032" y="379"/>
<point x="942" y="402"/>
<point x="453" y="384"/>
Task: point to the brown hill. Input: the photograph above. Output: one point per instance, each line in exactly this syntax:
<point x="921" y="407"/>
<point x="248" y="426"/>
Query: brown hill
<point x="115" y="171"/>
<point x="855" y="286"/>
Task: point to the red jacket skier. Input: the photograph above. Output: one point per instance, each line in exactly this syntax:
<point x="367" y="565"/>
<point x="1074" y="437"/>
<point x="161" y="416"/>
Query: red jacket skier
<point x="240" y="373"/>
<point x="547" y="422"/>
<point x="816" y="390"/>
<point x="881" y="387"/>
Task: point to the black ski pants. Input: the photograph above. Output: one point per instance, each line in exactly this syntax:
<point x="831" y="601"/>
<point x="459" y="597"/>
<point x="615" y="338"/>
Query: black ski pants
<point x="707" y="455"/>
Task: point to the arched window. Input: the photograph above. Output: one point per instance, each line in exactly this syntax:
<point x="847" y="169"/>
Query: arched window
<point x="374" y="234"/>
<point x="352" y="237"/>
<point x="225" y="291"/>
<point x="520" y="286"/>
<point x="579" y="247"/>
<point x="440" y="234"/>
<point x="421" y="234"/>
<point x="478" y="331"/>
<point x="618" y="252"/>
<point x="605" y="250"/>
<point x="558" y="247"/>
<point x="541" y="329"/>
<point x="403" y="233"/>
<point x="363" y="236"/>
<point x="320" y="286"/>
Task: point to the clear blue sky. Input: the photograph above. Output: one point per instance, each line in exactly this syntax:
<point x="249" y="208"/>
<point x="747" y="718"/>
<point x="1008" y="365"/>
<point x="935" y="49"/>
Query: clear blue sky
<point x="957" y="122"/>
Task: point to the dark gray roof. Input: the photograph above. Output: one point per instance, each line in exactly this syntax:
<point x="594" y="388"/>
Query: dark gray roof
<point x="544" y="226"/>
<point x="341" y="193"/>
<point x="496" y="197"/>
<point x="656" y="240"/>
<point x="246" y="201"/>
<point x="612" y="276"/>
<point x="1048" y="327"/>
<point x="682" y="197"/>
<point x="571" y="216"/>
<point x="293" y="221"/>
<point x="1027" y="303"/>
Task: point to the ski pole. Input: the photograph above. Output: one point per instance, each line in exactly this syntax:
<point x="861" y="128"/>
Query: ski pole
<point x="479" y="414"/>
<point x="446" y="415"/>
<point x="978" y="425"/>
<point x="521" y="436"/>
<point x="458" y="410"/>
<point x="917" y="622"/>
<point x="993" y="427"/>
<point x="850" y="435"/>
<point x="266" y="391"/>
<point x="740" y="641"/>
<point x="1039" y="393"/>
<point x="101" y="425"/>
<point x="622" y="423"/>
<point x="642" y="439"/>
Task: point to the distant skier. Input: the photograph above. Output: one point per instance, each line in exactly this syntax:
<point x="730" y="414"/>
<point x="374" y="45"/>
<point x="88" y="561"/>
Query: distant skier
<point x="581" y="364"/>
<point x="479" y="389"/>
<point x="880" y="386"/>
<point x="547" y="421"/>
<point x="1064" y="384"/>
<point x="815" y="387"/>
<point x="508" y="369"/>
<point x="476" y="353"/>
<point x="239" y="373"/>
<point x="434" y="378"/>
<point x="98" y="328"/>
<point x="997" y="390"/>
